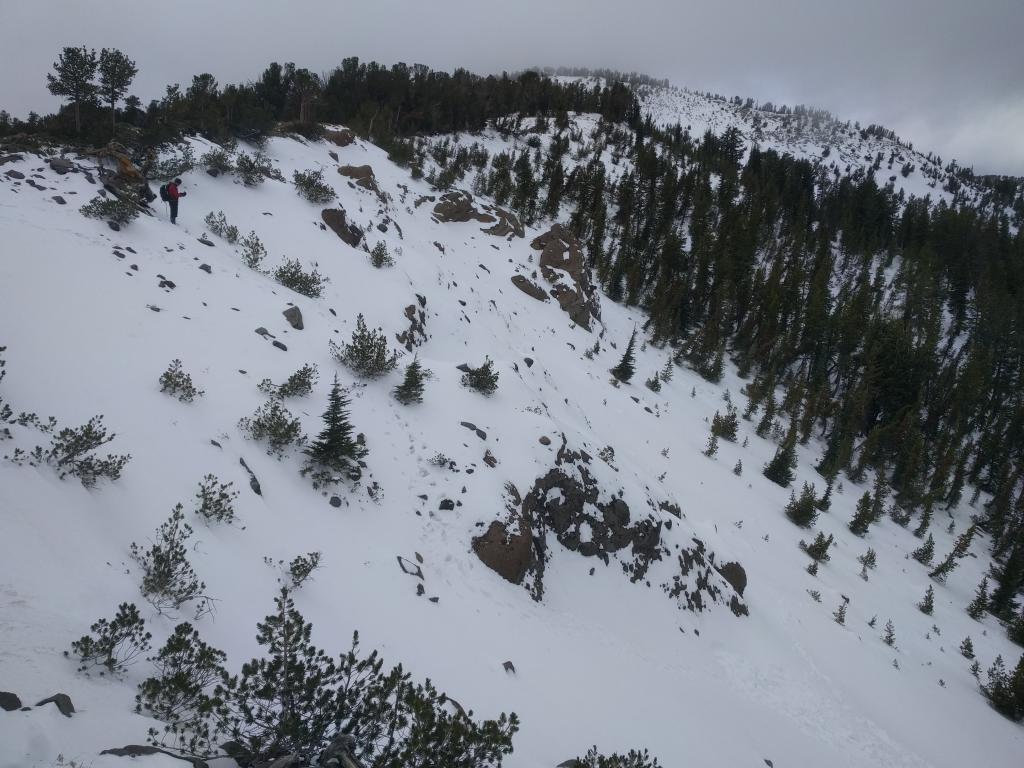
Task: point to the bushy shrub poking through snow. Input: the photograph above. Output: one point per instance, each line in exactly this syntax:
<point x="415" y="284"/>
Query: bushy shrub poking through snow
<point x="818" y="549"/>
<point x="299" y="384"/>
<point x="411" y="389"/>
<point x="218" y="224"/>
<point x="311" y="185"/>
<point x="738" y="469"/>
<point x="253" y="251"/>
<point x="120" y="210"/>
<point x="215" y="500"/>
<point x="114" y="644"/>
<point x="725" y="426"/>
<point x="168" y="581"/>
<point x="180" y="694"/>
<point x="335" y="452"/>
<point x="483" y="379"/>
<point x="869" y="560"/>
<point x="626" y="366"/>
<point x="218" y="159"/>
<point x="979" y="605"/>
<point x="380" y="257"/>
<point x="291" y="275"/>
<point x="889" y="638"/>
<point x="654" y="383"/>
<point x="297" y="699"/>
<point x="367" y="354"/>
<point x="273" y="424"/>
<point x="632" y="759"/>
<point x="71" y="452"/>
<point x="780" y="469"/>
<point x="927" y="604"/>
<point x="802" y="511"/>
<point x="176" y="383"/>
<point x="926" y="552"/>
<point x="712" y="447"/>
<point x="253" y="170"/>
<point x="967" y="648"/>
<point x="6" y="413"/>
<point x="301" y="568"/>
<point x="178" y="164"/>
<point x="840" y="614"/>
<point x="1004" y="690"/>
<point x="442" y="461"/>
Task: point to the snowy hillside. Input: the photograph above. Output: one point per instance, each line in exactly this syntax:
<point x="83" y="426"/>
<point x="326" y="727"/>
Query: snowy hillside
<point x="632" y="633"/>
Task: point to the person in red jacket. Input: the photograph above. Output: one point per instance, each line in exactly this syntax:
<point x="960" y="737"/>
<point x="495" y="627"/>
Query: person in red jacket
<point x="173" y="193"/>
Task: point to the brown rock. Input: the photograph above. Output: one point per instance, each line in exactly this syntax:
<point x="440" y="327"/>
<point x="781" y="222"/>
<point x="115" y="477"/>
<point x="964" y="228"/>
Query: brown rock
<point x="341" y="138"/>
<point x="562" y="264"/>
<point x="507" y="554"/>
<point x="458" y="206"/>
<point x="335" y="219"/>
<point x="530" y="288"/>
<point x="735" y="574"/>
<point x="363" y="177"/>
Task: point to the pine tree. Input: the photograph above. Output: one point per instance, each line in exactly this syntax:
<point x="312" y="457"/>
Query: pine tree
<point x="712" y="446"/>
<point x="999" y="689"/>
<point x="825" y="502"/>
<point x="963" y="543"/>
<point x="483" y="379"/>
<point x="818" y="549"/>
<point x="840" y="614"/>
<point x="977" y="607"/>
<point x="411" y="389"/>
<point x="75" y="70"/>
<point x="863" y="517"/>
<point x="1009" y="583"/>
<point x="334" y="450"/>
<point x="626" y="368"/>
<point x="967" y="648"/>
<point x="367" y="354"/>
<point x="667" y="370"/>
<point x="927" y="605"/>
<point x="738" y="469"/>
<point x="116" y="74"/>
<point x="890" y="633"/>
<point x="926" y="552"/>
<point x="780" y="469"/>
<point x="168" y="580"/>
<point x="802" y="511"/>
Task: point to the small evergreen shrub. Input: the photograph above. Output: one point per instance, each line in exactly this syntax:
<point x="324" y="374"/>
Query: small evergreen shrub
<point x="632" y="759"/>
<point x="181" y="693"/>
<point x="483" y="379"/>
<point x="818" y="549"/>
<point x="367" y="354"/>
<point x="725" y="426"/>
<point x="980" y="604"/>
<point x="177" y="164"/>
<point x="254" y="169"/>
<point x="253" y="252"/>
<point x="411" y="389"/>
<point x="176" y="383"/>
<point x="71" y="452"/>
<point x="654" y="383"/>
<point x="168" y="581"/>
<point x="863" y="517"/>
<point x="215" y="500"/>
<point x="120" y="210"/>
<point x="291" y="275"/>
<point x="380" y="257"/>
<point x="926" y="552"/>
<point x="967" y="648"/>
<point x="840" y="614"/>
<point x="302" y="567"/>
<point x="311" y="185"/>
<point x="927" y="605"/>
<point x="114" y="644"/>
<point x="626" y="366"/>
<point x="335" y="451"/>
<point x="738" y="469"/>
<point x="780" y="469"/>
<point x="890" y="633"/>
<point x="218" y="224"/>
<point x="273" y="424"/>
<point x="712" y="447"/>
<point x="299" y="384"/>
<point x="802" y="511"/>
<point x="218" y="159"/>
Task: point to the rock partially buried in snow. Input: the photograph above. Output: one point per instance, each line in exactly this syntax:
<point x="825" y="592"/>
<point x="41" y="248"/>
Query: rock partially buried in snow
<point x="335" y="219"/>
<point x="206" y="268"/>
<point x="294" y="317"/>
<point x="363" y="177"/>
<point x="142" y="750"/>
<point x="340" y="138"/>
<point x="446" y="505"/>
<point x="563" y="265"/>
<point x="60" y="165"/>
<point x="63" y="703"/>
<point x="530" y="288"/>
<point x="335" y="501"/>
<point x="9" y="701"/>
<point x="544" y="440"/>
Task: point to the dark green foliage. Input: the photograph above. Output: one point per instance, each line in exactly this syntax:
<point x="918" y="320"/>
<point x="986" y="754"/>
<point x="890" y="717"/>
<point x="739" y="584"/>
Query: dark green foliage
<point x="1015" y="630"/>
<point x="869" y="559"/>
<point x="967" y="648"/>
<point x="215" y="500"/>
<point x="712" y="447"/>
<point x="120" y="210"/>
<point x="299" y="384"/>
<point x="738" y="469"/>
<point x="72" y="78"/>
<point x="818" y="549"/>
<point x="977" y="607"/>
<point x="218" y="224"/>
<point x="291" y="275"/>
<point x="311" y="185"/>
<point x="253" y="251"/>
<point x="840" y="614"/>
<point x="825" y="502"/>
<point x="380" y="257"/>
<point x="254" y="169"/>
<point x="296" y="699"/>
<point x="632" y="759"/>
<point x="927" y="605"/>
<point x="116" y="74"/>
<point x="71" y="451"/>
<point x="1006" y="691"/>
<point x="926" y="552"/>
<point x="890" y="633"/>
<point x="274" y="424"/>
<point x="963" y="543"/>
<point x="411" y="389"/>
<point x="218" y="159"/>
<point x="1009" y="583"/>
<point x="863" y="517"/>
<point x="726" y="426"/>
<point x="176" y="383"/>
<point x="780" y="469"/>
<point x="367" y="354"/>
<point x="181" y="693"/>
<point x="802" y="511"/>
<point x="334" y="451"/>
<point x="653" y="383"/>
<point x="168" y="581"/>
<point x="301" y="568"/>
<point x="483" y="379"/>
<point x="627" y="364"/>
<point x="114" y="644"/>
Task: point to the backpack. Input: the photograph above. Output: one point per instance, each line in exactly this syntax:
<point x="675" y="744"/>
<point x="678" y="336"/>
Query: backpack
<point x="163" y="193"/>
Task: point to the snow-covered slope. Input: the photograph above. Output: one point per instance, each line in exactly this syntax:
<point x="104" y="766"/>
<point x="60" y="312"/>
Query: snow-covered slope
<point x="89" y="329"/>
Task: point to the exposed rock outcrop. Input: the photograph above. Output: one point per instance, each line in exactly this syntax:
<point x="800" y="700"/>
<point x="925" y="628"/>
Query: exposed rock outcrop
<point x="459" y="206"/>
<point x="562" y="264"/>
<point x="335" y="219"/>
<point x="530" y="288"/>
<point x="341" y="138"/>
<point x="363" y="177"/>
<point x="507" y="546"/>
<point x="416" y="333"/>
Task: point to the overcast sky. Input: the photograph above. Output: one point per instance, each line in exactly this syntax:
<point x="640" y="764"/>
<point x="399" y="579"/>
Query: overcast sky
<point x="947" y="75"/>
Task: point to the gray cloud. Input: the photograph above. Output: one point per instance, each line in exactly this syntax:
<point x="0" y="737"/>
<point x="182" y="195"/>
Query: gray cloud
<point x="944" y="74"/>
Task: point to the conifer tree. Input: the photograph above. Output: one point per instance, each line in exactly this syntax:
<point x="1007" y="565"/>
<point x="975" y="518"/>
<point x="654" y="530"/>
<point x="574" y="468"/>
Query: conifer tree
<point x="977" y="607"/>
<point x="825" y="502"/>
<point x="890" y="633"/>
<point x="840" y="614"/>
<point x="411" y="389"/>
<point x="926" y="552"/>
<point x="818" y="549"/>
<point x="1009" y="583"/>
<point x="738" y="469"/>
<point x="927" y="605"/>
<point x="802" y="511"/>
<point x="116" y="74"/>
<point x="967" y="648"/>
<point x="74" y="72"/>
<point x="483" y="379"/>
<point x="863" y="517"/>
<point x="367" y="354"/>
<point x="712" y="446"/>
<point x="999" y="689"/>
<point x="334" y="450"/>
<point x="963" y="543"/>
<point x="627" y="365"/>
<point x="780" y="469"/>
<point x="667" y="370"/>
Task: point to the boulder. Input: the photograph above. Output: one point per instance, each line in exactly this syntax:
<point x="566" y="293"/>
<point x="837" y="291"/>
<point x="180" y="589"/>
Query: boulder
<point x="15" y="158"/>
<point x="363" y="176"/>
<point x="62" y="701"/>
<point x="59" y="200"/>
<point x="341" y="138"/>
<point x="530" y="288"/>
<point x="544" y="440"/>
<point x="60" y="165"/>
<point x="335" y="219"/>
<point x="506" y="549"/>
<point x="735" y="574"/>
<point x="335" y="501"/>
<point x="206" y="268"/>
<point x="446" y="505"/>
<point x="13" y="174"/>
<point x="294" y="317"/>
<point x="562" y="264"/>
<point x="458" y="206"/>
<point x="253" y="482"/>
<point x="9" y="701"/>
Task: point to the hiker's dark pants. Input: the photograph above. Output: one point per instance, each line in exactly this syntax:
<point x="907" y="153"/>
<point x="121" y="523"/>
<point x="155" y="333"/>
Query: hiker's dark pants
<point x="174" y="209"/>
